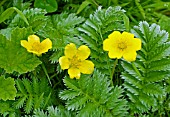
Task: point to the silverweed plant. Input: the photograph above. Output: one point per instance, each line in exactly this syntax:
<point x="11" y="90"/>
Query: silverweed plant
<point x="84" y="58"/>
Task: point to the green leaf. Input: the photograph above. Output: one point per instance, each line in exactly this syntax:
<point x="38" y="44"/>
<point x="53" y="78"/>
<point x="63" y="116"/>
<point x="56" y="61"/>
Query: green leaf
<point x="27" y="86"/>
<point x="140" y="8"/>
<point x="69" y="94"/>
<point x="62" y="30"/>
<point x="155" y="76"/>
<point x="13" y="57"/>
<point x="21" y="15"/>
<point x="6" y="32"/>
<point x="36" y="19"/>
<point x="32" y="95"/>
<point x="29" y="104"/>
<point x="48" y="5"/>
<point x="90" y="110"/>
<point x="153" y="89"/>
<point x="8" y="12"/>
<point x="7" y="88"/>
<point x="93" y="96"/>
<point x="161" y="64"/>
<point x="97" y="28"/>
<point x="144" y="78"/>
<point x="58" y="111"/>
<point x="83" y="5"/>
<point x="5" y="15"/>
<point x="39" y="101"/>
<point x="164" y="23"/>
<point x="20" y="102"/>
<point x="77" y="103"/>
<point x="72" y="84"/>
<point x="126" y="20"/>
<point x="6" y="107"/>
<point x="20" y="87"/>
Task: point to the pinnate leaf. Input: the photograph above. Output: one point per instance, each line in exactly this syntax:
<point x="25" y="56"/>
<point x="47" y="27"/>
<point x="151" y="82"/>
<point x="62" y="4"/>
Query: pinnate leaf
<point x="48" y="5"/>
<point x="93" y="96"/>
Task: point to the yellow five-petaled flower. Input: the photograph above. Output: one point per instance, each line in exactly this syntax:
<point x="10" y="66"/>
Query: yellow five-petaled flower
<point x="33" y="45"/>
<point x="123" y="44"/>
<point x="75" y="60"/>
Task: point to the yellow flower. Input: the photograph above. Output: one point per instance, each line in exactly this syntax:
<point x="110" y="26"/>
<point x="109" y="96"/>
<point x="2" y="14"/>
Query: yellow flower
<point x="123" y="44"/>
<point x="33" y="45"/>
<point x="75" y="60"/>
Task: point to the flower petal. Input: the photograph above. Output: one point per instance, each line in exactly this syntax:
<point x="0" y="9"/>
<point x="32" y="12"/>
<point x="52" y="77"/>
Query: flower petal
<point x="33" y="38"/>
<point x="83" y="52"/>
<point x="115" y="35"/>
<point x="130" y="56"/>
<point x="112" y="41"/>
<point x="136" y="44"/>
<point x="127" y="36"/>
<point x="64" y="62"/>
<point x="86" y="67"/>
<point x="115" y="53"/>
<point x="70" y="50"/>
<point x="74" y="72"/>
<point x="46" y="45"/>
<point x="26" y="45"/>
<point x="107" y="44"/>
<point x="29" y="48"/>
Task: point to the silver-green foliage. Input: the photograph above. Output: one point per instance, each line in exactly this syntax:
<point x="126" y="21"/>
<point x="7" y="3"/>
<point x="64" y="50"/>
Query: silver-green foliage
<point x="32" y="95"/>
<point x="145" y="88"/>
<point x="53" y="112"/>
<point x="35" y="16"/>
<point x="62" y="29"/>
<point x="96" y="29"/>
<point x="94" y="97"/>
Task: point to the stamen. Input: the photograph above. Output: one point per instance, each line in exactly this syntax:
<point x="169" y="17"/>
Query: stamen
<point x="36" y="47"/>
<point x="75" y="62"/>
<point x="122" y="46"/>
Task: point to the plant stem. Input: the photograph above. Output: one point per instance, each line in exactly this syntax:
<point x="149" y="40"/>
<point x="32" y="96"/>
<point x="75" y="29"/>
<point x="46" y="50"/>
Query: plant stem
<point x="113" y="71"/>
<point x="115" y="2"/>
<point x="45" y="71"/>
<point x="53" y="75"/>
<point x="2" y="2"/>
<point x="141" y="10"/>
<point x="137" y="71"/>
<point x="95" y="3"/>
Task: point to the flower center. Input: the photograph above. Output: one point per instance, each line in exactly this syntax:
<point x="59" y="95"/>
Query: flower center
<point x="75" y="62"/>
<point x="122" y="46"/>
<point x="36" y="47"/>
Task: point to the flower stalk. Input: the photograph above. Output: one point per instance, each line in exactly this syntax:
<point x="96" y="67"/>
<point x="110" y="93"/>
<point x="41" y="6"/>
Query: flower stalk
<point x="135" y="68"/>
<point x="46" y="73"/>
<point x="113" y="71"/>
